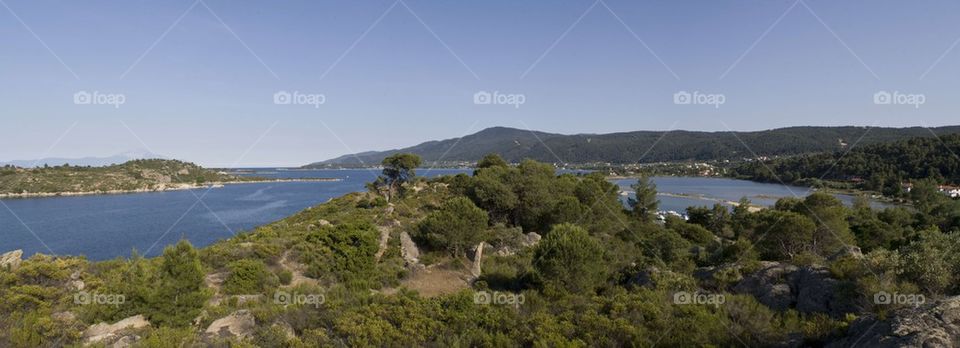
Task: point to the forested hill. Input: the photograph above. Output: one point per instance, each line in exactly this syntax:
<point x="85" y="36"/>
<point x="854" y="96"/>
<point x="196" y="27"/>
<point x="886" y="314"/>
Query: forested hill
<point x="631" y="147"/>
<point x="136" y="175"/>
<point x="879" y="167"/>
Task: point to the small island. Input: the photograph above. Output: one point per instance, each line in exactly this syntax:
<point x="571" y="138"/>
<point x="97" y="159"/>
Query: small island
<point x="146" y="175"/>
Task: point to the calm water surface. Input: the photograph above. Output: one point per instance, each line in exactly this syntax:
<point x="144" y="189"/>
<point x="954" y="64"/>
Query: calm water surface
<point x="104" y="227"/>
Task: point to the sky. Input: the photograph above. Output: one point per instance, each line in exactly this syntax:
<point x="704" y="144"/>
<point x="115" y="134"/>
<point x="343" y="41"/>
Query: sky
<point x="285" y="83"/>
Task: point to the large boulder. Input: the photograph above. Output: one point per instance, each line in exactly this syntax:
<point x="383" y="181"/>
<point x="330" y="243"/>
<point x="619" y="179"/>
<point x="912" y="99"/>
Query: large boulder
<point x="408" y="249"/>
<point x="932" y="325"/>
<point x="104" y="332"/>
<point x="770" y="285"/>
<point x="530" y="239"/>
<point x="11" y="260"/>
<point x="782" y="286"/>
<point x="476" y="256"/>
<point x="239" y="324"/>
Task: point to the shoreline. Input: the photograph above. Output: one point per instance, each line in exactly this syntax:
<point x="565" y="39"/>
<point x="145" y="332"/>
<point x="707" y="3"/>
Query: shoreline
<point x="160" y="188"/>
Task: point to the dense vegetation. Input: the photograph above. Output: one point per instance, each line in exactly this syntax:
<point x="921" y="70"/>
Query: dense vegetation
<point x="602" y="274"/>
<point x="148" y="174"/>
<point x="877" y="167"/>
<point x="515" y="145"/>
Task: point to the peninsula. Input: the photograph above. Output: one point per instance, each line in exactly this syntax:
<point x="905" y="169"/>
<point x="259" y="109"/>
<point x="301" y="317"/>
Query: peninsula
<point x="147" y="175"/>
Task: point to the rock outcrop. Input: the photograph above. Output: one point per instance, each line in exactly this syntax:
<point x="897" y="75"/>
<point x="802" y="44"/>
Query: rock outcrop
<point x="11" y="260"/>
<point x="933" y="325"/>
<point x="850" y="251"/>
<point x="477" y="257"/>
<point x="126" y="341"/>
<point x="239" y="324"/>
<point x="384" y="241"/>
<point x="408" y="249"/>
<point x="530" y="239"/>
<point x="104" y="332"/>
<point x="807" y="289"/>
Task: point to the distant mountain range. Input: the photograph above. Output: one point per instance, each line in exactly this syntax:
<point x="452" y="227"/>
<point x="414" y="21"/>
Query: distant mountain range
<point x="85" y="161"/>
<point x="639" y="146"/>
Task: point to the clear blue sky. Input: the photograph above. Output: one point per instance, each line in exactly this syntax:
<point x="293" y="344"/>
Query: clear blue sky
<point x="198" y="90"/>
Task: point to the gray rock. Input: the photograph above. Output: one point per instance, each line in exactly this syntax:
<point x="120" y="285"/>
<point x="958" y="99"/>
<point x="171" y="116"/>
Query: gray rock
<point x="11" y="260"/>
<point x="408" y="249"/>
<point x="239" y="324"/>
<point x="815" y="290"/>
<point x="847" y="251"/>
<point x="383" y="243"/>
<point x="769" y="285"/>
<point x="126" y="341"/>
<point x="936" y="324"/>
<point x="477" y="258"/>
<point x="109" y="332"/>
<point x="782" y="286"/>
<point x="531" y="239"/>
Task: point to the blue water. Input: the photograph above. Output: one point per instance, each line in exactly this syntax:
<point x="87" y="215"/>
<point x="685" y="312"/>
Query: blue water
<point x="108" y="226"/>
<point x="709" y="191"/>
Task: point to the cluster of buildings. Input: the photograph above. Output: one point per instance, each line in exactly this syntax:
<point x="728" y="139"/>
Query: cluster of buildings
<point x="949" y="190"/>
<point x="952" y="191"/>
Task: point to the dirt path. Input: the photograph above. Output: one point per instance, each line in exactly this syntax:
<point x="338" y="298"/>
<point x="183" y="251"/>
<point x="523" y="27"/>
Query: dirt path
<point x="434" y="281"/>
<point x="296" y="269"/>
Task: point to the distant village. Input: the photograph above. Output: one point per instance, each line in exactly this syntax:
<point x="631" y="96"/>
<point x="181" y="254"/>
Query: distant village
<point x="949" y="190"/>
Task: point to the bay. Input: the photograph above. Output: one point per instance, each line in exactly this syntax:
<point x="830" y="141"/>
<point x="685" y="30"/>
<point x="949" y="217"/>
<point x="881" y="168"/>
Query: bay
<point x="108" y="226"/>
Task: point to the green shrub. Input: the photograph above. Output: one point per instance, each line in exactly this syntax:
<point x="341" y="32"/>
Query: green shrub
<point x="180" y="291"/>
<point x="285" y="277"/>
<point x="456" y="227"/>
<point x="345" y="252"/>
<point x="569" y="259"/>
<point x="248" y="276"/>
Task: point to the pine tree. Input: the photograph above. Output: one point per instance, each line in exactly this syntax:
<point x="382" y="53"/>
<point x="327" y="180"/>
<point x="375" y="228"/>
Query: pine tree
<point x="179" y="294"/>
<point x="645" y="203"/>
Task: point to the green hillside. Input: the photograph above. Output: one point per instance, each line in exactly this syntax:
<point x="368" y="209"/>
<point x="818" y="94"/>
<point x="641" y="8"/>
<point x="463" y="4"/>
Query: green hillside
<point x="562" y="264"/>
<point x="151" y="174"/>
<point x="878" y="167"/>
<point x="515" y="145"/>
